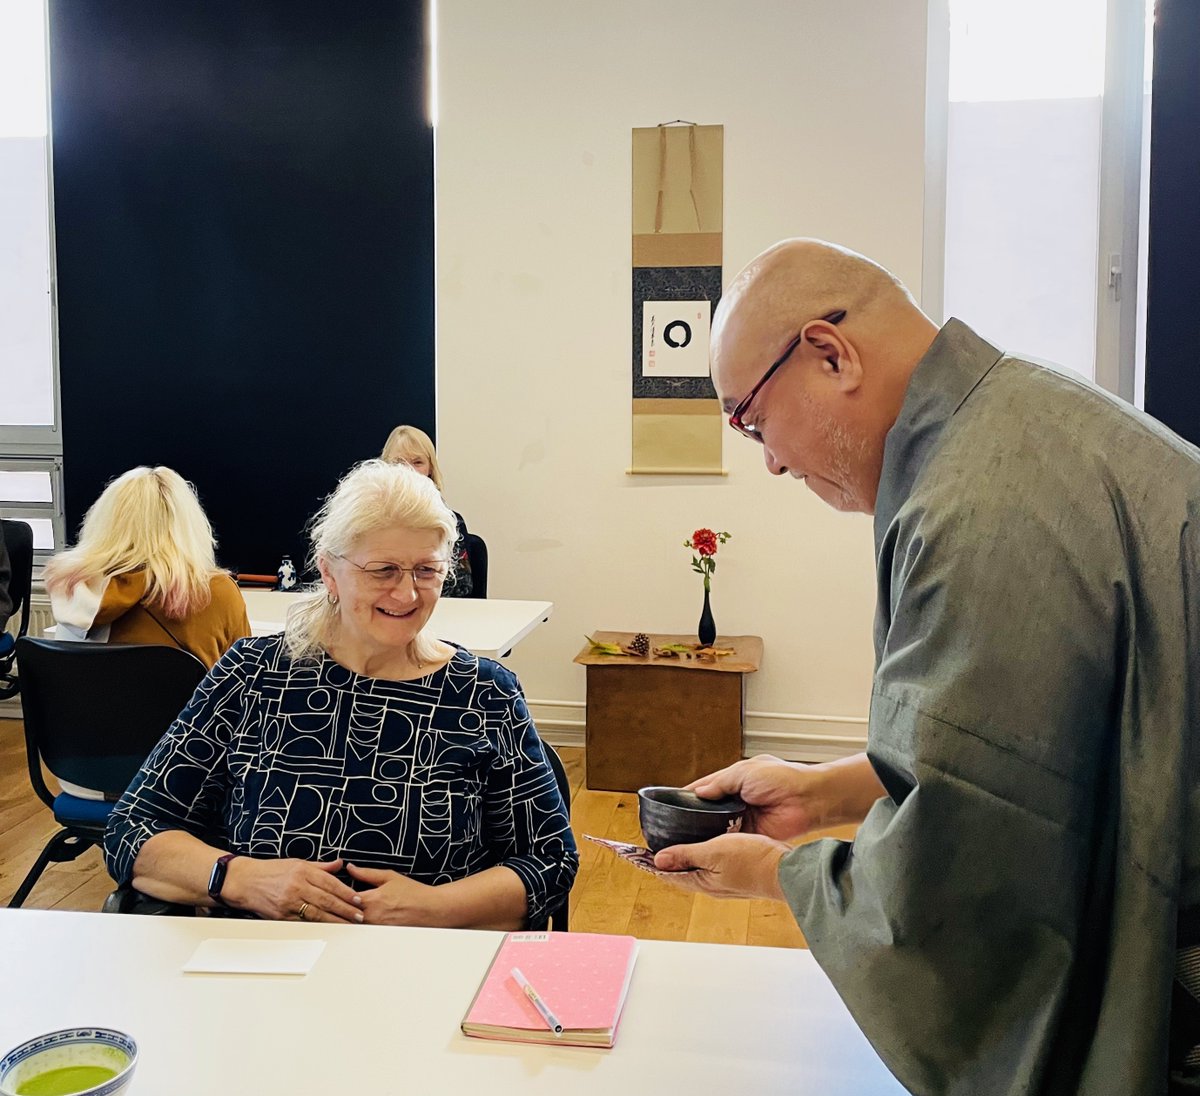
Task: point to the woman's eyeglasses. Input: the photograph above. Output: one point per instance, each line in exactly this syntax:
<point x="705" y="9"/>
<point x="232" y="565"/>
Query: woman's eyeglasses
<point x="737" y="417"/>
<point x="425" y="576"/>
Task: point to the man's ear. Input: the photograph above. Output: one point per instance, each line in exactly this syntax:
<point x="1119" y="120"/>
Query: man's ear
<point x="840" y="360"/>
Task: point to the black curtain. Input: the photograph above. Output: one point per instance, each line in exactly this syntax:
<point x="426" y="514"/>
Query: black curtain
<point x="243" y="208"/>
<point x="1173" y="278"/>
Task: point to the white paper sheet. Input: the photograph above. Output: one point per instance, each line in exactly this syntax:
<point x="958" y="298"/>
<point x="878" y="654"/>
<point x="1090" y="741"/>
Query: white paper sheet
<point x="238" y="956"/>
<point x="675" y="338"/>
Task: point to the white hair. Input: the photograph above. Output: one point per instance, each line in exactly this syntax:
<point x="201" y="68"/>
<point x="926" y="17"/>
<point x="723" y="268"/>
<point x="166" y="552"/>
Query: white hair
<point x="373" y="495"/>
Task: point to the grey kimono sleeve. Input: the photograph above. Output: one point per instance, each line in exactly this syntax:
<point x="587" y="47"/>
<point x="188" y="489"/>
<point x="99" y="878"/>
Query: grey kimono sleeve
<point x="954" y="923"/>
<point x="184" y="783"/>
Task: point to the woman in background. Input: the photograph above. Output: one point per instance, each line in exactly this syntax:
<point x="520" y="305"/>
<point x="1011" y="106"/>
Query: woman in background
<point x="408" y="445"/>
<point x="144" y="570"/>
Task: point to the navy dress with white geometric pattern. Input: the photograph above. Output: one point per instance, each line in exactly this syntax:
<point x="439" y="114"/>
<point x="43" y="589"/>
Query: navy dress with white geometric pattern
<point x="435" y="778"/>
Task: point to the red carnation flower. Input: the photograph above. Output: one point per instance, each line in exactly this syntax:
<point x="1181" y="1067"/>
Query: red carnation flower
<point x="704" y="541"/>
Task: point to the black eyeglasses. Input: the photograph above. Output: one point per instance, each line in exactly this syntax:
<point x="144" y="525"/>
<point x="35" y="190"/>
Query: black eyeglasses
<point x="737" y="416"/>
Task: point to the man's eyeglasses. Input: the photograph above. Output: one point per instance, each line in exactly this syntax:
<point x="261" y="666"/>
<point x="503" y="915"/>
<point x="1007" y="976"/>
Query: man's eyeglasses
<point x="425" y="576"/>
<point x="736" y="418"/>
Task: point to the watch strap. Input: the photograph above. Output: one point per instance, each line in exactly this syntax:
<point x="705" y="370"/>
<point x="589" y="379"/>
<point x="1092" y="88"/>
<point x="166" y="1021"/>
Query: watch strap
<point x="216" y="881"/>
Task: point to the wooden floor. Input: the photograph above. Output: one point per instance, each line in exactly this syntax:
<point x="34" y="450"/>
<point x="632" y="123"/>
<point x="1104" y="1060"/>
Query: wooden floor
<point x="25" y="826"/>
<point x="609" y="895"/>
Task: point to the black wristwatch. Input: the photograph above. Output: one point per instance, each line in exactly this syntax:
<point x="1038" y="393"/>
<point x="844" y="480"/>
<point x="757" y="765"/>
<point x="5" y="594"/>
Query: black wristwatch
<point x="217" y="880"/>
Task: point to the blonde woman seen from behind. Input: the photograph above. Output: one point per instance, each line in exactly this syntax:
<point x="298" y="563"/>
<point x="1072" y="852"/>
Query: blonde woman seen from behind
<point x="144" y="570"/>
<point x="411" y="446"/>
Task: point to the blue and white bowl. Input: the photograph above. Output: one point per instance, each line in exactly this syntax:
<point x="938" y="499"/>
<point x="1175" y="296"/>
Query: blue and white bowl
<point x="90" y="1046"/>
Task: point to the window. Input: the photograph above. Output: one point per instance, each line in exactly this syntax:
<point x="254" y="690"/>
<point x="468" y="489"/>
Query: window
<point x="29" y="490"/>
<point x="30" y="442"/>
<point x="1041" y="255"/>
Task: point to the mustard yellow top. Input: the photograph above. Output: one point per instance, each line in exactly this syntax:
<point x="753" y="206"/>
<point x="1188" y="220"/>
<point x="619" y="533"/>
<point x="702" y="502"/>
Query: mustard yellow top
<point x="208" y="633"/>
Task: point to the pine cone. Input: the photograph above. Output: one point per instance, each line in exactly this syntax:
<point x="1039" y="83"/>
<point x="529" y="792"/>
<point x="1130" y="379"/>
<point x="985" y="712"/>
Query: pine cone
<point x="640" y="645"/>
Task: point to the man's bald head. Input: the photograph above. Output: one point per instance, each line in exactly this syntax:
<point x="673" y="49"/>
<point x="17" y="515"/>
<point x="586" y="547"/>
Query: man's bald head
<point x="796" y="281"/>
<point x="843" y="380"/>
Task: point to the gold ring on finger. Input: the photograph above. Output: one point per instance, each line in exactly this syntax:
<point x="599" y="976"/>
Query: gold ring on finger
<point x="300" y="911"/>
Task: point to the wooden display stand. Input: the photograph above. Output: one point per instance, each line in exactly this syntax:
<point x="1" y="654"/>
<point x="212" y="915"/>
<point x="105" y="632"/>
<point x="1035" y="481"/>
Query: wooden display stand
<point x="664" y="720"/>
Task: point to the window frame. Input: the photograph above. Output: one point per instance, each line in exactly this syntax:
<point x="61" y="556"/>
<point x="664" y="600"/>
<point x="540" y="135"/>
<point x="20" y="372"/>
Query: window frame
<point x="1119" y="236"/>
<point x="46" y="439"/>
<point x="25" y="448"/>
<point x="52" y="509"/>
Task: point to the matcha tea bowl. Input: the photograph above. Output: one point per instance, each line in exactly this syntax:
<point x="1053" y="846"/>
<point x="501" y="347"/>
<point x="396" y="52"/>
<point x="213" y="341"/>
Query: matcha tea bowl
<point x="672" y="816"/>
<point x="88" y="1061"/>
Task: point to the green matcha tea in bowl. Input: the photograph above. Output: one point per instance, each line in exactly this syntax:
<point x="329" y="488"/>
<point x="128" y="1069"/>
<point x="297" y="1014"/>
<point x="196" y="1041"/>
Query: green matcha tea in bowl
<point x="73" y="1062"/>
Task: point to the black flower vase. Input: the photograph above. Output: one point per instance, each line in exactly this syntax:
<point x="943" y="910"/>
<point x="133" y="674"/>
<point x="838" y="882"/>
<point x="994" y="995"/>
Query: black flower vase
<point x="707" y="632"/>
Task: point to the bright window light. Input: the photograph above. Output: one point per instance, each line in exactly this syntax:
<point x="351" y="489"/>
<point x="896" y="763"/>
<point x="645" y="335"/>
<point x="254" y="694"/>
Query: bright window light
<point x="25" y="487"/>
<point x="43" y="533"/>
<point x="23" y="68"/>
<point x="431" y="92"/>
<point x="1004" y="50"/>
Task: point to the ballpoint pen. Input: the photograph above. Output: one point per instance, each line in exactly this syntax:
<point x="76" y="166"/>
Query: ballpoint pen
<point x="552" y="1021"/>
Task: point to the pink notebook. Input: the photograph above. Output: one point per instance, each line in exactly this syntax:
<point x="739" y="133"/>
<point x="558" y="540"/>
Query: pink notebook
<point x="582" y="978"/>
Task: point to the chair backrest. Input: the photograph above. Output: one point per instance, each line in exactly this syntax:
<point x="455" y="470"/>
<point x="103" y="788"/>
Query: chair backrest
<point x="94" y="711"/>
<point x="477" y="554"/>
<point x="18" y="540"/>
<point x="558" y="917"/>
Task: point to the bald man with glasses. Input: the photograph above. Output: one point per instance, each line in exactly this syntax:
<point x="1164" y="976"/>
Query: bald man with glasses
<point x="1020" y="909"/>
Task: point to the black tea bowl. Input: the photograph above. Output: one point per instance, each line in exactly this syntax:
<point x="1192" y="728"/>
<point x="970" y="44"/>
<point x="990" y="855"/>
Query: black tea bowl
<point x="672" y="816"/>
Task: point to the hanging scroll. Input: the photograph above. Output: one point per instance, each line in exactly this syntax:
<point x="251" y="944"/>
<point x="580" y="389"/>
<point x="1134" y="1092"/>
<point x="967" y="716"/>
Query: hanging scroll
<point x="677" y="200"/>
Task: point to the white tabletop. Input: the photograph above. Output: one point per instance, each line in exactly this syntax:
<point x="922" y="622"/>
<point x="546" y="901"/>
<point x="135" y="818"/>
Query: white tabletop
<point x="490" y="627"/>
<point x="379" y="1014"/>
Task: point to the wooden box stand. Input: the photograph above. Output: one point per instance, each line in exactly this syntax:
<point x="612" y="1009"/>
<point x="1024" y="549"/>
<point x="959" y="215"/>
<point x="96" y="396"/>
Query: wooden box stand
<point x="663" y="720"/>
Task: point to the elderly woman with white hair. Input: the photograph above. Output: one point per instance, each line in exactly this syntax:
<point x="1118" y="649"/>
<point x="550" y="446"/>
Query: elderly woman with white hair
<point x="354" y="768"/>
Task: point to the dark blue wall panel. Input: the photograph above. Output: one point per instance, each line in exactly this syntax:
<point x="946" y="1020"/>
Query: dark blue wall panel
<point x="243" y="204"/>
<point x="1173" y="282"/>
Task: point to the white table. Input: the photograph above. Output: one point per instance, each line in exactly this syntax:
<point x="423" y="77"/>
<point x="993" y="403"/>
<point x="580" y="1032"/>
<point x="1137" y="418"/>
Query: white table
<point x="379" y="1014"/>
<point x="490" y="627"/>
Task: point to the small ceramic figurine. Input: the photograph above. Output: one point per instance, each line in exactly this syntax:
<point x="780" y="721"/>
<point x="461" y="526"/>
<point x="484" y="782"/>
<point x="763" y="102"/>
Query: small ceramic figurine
<point x="286" y="574"/>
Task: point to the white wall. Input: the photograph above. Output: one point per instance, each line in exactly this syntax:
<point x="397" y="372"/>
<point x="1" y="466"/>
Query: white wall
<point x="823" y="103"/>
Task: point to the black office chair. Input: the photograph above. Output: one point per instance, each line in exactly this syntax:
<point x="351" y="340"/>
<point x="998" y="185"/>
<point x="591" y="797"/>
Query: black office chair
<point x="477" y="556"/>
<point x="18" y="541"/>
<point x="559" y="916"/>
<point x="93" y="712"/>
